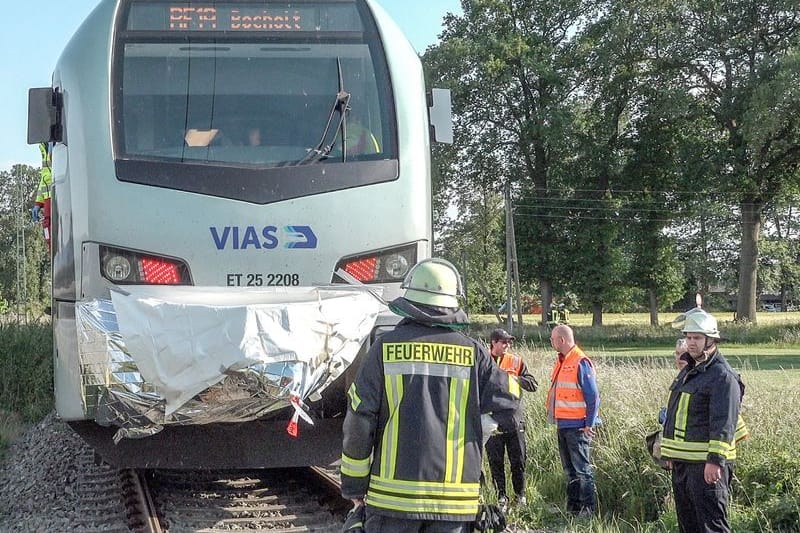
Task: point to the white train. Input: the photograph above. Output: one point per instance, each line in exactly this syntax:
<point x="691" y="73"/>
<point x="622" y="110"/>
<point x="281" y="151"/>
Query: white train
<point x="220" y="155"/>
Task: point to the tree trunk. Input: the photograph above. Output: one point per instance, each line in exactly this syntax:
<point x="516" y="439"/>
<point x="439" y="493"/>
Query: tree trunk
<point x="748" y="261"/>
<point x="597" y="314"/>
<point x="546" y="288"/>
<point x="653" y="307"/>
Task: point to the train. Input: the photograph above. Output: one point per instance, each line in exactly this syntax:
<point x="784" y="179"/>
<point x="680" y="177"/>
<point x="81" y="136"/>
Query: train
<point x="238" y="188"/>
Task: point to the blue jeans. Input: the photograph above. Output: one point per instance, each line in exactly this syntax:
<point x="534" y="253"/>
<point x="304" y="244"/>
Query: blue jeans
<point x="574" y="449"/>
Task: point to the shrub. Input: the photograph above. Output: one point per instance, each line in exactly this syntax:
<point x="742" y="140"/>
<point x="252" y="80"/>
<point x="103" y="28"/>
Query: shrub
<point x="26" y="369"/>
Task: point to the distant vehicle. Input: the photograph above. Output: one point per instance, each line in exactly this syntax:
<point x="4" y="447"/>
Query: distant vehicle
<point x="771" y="307"/>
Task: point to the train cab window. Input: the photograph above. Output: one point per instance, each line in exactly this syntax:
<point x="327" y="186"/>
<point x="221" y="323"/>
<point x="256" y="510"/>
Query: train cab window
<point x="220" y="87"/>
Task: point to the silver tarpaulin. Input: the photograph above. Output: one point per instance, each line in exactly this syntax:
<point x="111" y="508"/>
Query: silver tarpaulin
<point x="152" y="356"/>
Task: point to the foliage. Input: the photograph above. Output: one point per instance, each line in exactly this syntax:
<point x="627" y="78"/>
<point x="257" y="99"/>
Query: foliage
<point x="643" y="141"/>
<point x="24" y="270"/>
<point x="26" y="369"/>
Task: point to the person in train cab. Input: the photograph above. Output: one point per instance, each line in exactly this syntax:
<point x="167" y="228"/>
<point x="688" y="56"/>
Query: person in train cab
<point x="360" y="140"/>
<point x="254" y="136"/>
<point x="41" y="208"/>
<point x="412" y="446"/>
<point x="511" y="424"/>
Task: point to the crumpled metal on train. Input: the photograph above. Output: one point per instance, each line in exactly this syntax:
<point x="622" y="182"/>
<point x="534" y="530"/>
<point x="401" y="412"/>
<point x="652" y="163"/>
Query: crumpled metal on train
<point x="154" y="356"/>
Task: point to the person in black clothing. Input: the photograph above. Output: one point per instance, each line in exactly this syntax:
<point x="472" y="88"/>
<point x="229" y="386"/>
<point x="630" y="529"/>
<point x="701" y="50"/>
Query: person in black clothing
<point x="701" y="429"/>
<point x="511" y="424"/>
<point x="412" y="446"/>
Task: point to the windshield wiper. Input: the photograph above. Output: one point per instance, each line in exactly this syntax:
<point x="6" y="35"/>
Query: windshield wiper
<point x="341" y="105"/>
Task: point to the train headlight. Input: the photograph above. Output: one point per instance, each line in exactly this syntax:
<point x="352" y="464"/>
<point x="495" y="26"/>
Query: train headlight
<point x="117" y="268"/>
<point x="396" y="266"/>
<point x="381" y="266"/>
<point x="130" y="267"/>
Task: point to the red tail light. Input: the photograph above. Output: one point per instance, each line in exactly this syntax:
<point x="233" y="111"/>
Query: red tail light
<point x="382" y="266"/>
<point x="160" y="272"/>
<point x="128" y="267"/>
<point x="362" y="269"/>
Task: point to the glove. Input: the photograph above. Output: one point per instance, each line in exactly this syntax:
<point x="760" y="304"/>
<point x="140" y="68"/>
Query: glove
<point x="36" y="212"/>
<point x="489" y="518"/>
<point x="354" y="523"/>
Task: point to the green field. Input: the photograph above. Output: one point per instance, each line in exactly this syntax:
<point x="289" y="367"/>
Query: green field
<point x="628" y="337"/>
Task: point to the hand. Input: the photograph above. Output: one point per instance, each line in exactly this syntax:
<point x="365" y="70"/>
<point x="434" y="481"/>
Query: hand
<point x="357" y="501"/>
<point x="589" y="432"/>
<point x="712" y="473"/>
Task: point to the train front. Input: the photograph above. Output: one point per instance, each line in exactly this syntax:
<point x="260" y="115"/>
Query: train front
<point x="226" y="226"/>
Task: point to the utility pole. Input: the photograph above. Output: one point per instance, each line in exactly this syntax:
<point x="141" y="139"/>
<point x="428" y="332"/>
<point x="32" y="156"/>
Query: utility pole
<point x="512" y="270"/>
<point x="19" y="249"/>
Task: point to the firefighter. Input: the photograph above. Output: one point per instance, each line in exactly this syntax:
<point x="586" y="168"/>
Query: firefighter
<point x="511" y="435"/>
<point x="41" y="208"/>
<point x="411" y="451"/>
<point x="701" y="429"/>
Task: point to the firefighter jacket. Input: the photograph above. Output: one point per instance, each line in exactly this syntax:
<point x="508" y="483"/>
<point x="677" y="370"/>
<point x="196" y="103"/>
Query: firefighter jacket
<point x="511" y="421"/>
<point x="702" y="421"/>
<point x="565" y="399"/>
<point x="412" y="433"/>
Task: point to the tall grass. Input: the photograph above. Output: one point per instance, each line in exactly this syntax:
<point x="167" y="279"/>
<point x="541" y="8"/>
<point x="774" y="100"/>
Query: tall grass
<point x="634" y="494"/>
<point x="26" y="376"/>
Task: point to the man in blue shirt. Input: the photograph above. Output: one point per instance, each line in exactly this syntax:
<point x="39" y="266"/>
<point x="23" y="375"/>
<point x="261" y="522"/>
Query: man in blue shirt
<point x="572" y="404"/>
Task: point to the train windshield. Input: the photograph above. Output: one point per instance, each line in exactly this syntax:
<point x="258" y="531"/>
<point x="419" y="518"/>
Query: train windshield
<point x="259" y="85"/>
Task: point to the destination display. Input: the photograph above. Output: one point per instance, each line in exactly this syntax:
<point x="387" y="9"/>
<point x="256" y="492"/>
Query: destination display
<point x="240" y="17"/>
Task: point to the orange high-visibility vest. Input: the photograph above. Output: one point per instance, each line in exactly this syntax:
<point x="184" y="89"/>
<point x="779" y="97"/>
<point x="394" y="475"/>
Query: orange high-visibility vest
<point x="565" y="394"/>
<point x="511" y="363"/>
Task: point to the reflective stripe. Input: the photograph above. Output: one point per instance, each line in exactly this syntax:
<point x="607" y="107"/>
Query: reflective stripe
<point x="428" y="369"/>
<point x="355" y="401"/>
<point x="428" y="352"/>
<point x="562" y="403"/>
<point x="720" y="448"/>
<point x="741" y="430"/>
<point x="424" y="496"/>
<point x="682" y="416"/>
<point x="394" y="395"/>
<point x="695" y="451"/>
<point x="355" y="467"/>
<point x="513" y="386"/>
<point x="456" y="422"/>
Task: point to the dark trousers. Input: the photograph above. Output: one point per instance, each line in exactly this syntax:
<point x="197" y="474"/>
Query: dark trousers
<point x="574" y="448"/>
<point x="701" y="508"/>
<point x="496" y="446"/>
<point x="376" y="523"/>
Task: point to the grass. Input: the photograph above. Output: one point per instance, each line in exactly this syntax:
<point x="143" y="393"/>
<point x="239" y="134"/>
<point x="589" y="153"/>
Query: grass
<point x="26" y="377"/>
<point x="634" y="494"/>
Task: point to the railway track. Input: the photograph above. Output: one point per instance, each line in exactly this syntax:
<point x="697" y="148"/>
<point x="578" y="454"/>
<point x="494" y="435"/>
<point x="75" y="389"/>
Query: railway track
<point x="179" y="501"/>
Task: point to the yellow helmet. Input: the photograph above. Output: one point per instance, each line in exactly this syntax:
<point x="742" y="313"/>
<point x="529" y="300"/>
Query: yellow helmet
<point x="433" y="282"/>
<point x="701" y="322"/>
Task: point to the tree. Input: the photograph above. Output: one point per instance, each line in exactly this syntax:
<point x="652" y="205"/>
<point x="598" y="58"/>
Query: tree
<point x="739" y="59"/>
<point x="24" y="275"/>
<point x="510" y="65"/>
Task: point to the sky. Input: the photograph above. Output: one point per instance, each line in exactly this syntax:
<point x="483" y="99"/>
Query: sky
<point x="34" y="32"/>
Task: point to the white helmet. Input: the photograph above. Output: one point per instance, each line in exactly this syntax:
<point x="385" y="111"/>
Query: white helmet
<point x="701" y="322"/>
<point x="433" y="282"/>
